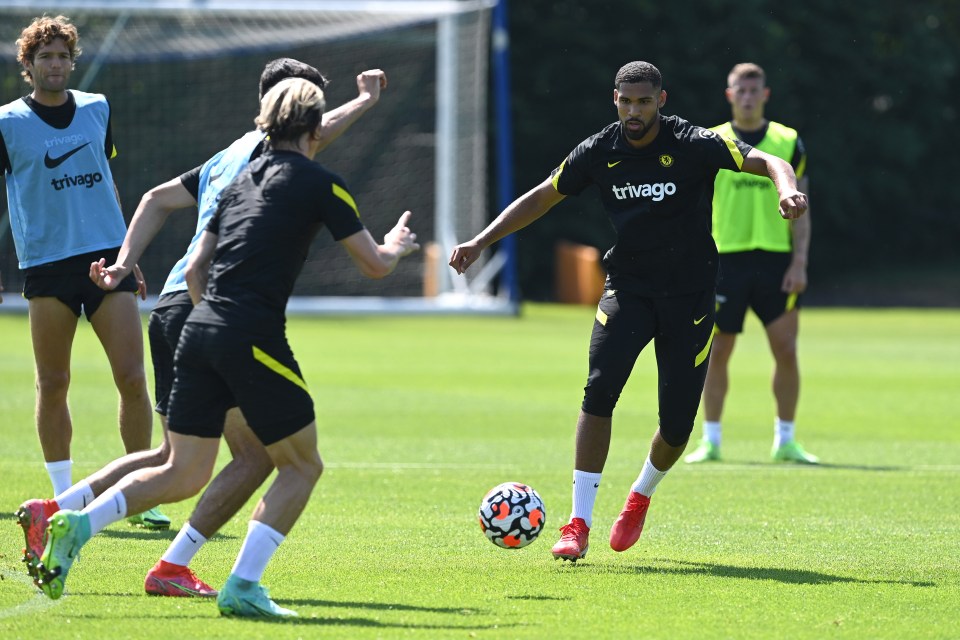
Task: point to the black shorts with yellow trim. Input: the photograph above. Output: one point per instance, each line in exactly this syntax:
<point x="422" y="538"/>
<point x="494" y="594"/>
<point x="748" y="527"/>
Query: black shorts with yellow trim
<point x="217" y="368"/>
<point x="681" y="328"/>
<point x="68" y="281"/>
<point x="752" y="280"/>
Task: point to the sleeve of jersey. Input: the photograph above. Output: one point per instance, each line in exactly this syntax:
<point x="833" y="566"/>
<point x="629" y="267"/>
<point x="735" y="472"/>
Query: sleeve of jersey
<point x="213" y="226"/>
<point x="339" y="210"/>
<point x="571" y="178"/>
<point x="725" y="153"/>
<point x="191" y="182"/>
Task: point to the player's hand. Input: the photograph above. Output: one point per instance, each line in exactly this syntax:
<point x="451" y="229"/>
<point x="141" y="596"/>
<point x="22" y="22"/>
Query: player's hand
<point x="793" y="204"/>
<point x="402" y="237"/>
<point x="107" y="278"/>
<point x="795" y="278"/>
<point x="465" y="255"/>
<point x="141" y="282"/>
<point x="371" y="82"/>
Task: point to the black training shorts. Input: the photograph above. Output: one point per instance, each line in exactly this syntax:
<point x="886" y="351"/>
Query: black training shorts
<point x="217" y="368"/>
<point x="68" y="281"/>
<point x="681" y="328"/>
<point x="752" y="279"/>
<point x="163" y="330"/>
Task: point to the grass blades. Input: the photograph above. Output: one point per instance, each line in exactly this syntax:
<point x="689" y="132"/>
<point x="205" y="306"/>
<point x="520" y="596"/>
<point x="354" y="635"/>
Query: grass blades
<point x="419" y="417"/>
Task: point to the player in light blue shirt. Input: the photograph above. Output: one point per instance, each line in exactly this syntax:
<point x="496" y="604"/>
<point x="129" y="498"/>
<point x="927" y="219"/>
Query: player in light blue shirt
<point x="231" y="488"/>
<point x="54" y="149"/>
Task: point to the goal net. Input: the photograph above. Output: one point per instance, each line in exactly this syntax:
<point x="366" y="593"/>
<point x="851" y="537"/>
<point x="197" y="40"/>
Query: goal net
<point x="181" y="77"/>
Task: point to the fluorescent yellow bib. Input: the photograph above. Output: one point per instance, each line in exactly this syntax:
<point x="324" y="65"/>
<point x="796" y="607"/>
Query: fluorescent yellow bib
<point x="746" y="207"/>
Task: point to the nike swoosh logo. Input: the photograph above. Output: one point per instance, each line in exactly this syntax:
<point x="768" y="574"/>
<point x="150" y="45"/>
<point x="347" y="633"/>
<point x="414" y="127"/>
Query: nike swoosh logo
<point x="53" y="163"/>
<point x="611" y="165"/>
<point x="696" y="322"/>
<point x="191" y="538"/>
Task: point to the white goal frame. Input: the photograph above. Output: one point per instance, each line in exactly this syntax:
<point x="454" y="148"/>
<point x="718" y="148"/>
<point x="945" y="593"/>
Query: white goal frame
<point x="455" y="294"/>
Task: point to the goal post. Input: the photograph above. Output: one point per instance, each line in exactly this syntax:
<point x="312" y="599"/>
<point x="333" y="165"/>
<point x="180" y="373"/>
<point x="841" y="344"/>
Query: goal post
<point x="181" y="77"/>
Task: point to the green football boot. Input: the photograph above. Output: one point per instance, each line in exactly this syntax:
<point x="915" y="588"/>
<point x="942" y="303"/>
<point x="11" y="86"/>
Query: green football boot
<point x="246" y="599"/>
<point x="706" y="451"/>
<point x="151" y="519"/>
<point x="793" y="452"/>
<point x="68" y="531"/>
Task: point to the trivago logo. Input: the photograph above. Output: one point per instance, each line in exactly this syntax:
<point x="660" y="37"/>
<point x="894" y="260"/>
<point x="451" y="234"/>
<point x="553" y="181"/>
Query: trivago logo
<point x="80" y="180"/>
<point x="656" y="191"/>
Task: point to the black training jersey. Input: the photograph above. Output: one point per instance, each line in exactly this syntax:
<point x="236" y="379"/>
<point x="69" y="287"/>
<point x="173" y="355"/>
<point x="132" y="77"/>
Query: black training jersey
<point x="659" y="201"/>
<point x="265" y="222"/>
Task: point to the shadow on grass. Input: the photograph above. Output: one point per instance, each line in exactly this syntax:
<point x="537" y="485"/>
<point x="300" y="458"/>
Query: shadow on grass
<point x="137" y="533"/>
<point x="786" y="576"/>
<point x="726" y="464"/>
<point x="343" y="621"/>
<point x="378" y="606"/>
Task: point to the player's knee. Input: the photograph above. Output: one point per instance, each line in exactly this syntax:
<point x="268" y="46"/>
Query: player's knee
<point x="315" y="467"/>
<point x="599" y="402"/>
<point x="52" y="385"/>
<point x="131" y="383"/>
<point x="676" y="435"/>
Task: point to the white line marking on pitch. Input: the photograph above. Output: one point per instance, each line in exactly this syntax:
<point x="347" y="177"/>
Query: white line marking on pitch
<point x="31" y="606"/>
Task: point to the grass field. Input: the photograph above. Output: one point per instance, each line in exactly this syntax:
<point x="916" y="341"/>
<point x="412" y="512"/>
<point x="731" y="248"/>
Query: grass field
<point x="420" y="416"/>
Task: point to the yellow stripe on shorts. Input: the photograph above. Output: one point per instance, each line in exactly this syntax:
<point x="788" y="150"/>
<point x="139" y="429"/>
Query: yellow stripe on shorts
<point x="791" y="302"/>
<point x="601" y="317"/>
<point x="278" y="367"/>
<point x="706" y="349"/>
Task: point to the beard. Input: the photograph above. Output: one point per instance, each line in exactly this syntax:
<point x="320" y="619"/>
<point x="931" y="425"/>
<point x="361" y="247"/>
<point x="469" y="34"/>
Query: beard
<point x="637" y="134"/>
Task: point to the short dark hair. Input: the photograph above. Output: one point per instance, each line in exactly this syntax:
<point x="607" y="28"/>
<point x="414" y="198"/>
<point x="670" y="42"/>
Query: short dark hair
<point x="638" y="71"/>
<point x="283" y="68"/>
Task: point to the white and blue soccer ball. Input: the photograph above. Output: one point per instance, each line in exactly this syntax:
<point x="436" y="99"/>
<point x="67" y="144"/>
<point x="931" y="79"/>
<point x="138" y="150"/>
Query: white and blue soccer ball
<point x="512" y="515"/>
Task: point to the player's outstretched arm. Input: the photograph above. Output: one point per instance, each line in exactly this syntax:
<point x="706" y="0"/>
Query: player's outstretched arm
<point x="155" y="207"/>
<point x="793" y="203"/>
<point x="521" y="212"/>
<point x="369" y="85"/>
<point x="379" y="260"/>
<point x="198" y="266"/>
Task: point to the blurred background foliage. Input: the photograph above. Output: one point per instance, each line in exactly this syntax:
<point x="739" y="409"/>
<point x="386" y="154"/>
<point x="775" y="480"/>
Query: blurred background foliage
<point x="872" y="87"/>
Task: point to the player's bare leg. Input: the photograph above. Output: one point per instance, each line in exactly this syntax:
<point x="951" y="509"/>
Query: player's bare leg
<point x="52" y="329"/>
<point x="592" y="448"/>
<point x="298" y="468"/>
<point x="117" y="325"/>
<point x="223" y="498"/>
<point x="782" y="336"/>
<point x="715" y="388"/>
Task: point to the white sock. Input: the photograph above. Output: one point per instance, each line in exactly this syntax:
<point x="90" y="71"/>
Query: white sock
<point x="60" y="473"/>
<point x="109" y="507"/>
<point x="585" y="487"/>
<point x="258" y="547"/>
<point x="184" y="546"/>
<point x="782" y="432"/>
<point x="648" y="479"/>
<point x="711" y="432"/>
<point x="76" y="497"/>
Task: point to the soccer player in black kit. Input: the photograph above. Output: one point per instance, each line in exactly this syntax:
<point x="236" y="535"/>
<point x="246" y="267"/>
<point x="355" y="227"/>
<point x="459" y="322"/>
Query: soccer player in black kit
<point x="655" y="175"/>
<point x="233" y="350"/>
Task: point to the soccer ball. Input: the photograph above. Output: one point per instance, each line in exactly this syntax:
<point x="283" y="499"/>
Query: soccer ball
<point x="512" y="515"/>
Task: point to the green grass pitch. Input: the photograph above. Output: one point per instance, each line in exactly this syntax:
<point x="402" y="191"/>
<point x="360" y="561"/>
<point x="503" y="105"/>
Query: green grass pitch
<point x="419" y="417"/>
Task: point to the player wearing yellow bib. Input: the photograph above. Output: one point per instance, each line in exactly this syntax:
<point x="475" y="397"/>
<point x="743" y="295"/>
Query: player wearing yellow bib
<point x="763" y="266"/>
